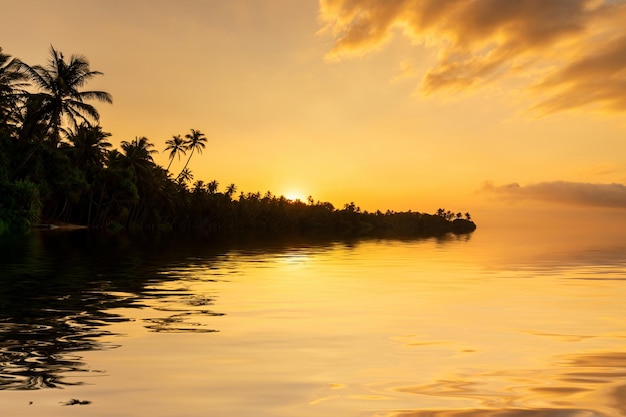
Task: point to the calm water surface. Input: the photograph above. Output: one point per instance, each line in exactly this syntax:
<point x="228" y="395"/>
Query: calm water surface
<point x="492" y="324"/>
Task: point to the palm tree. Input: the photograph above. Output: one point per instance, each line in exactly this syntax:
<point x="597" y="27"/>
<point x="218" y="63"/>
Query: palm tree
<point x="138" y="156"/>
<point x="113" y="159"/>
<point x="89" y="146"/>
<point x="184" y="176"/>
<point x="198" y="187"/>
<point x="59" y="83"/>
<point x="194" y="140"/>
<point x="176" y="146"/>
<point x="12" y="82"/>
<point x="212" y="187"/>
<point x="230" y="190"/>
<point x="88" y="151"/>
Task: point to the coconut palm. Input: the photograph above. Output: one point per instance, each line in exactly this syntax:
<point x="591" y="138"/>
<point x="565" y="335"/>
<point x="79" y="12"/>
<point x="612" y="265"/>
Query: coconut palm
<point x="212" y="187"/>
<point x="184" y="177"/>
<point x="194" y="140"/>
<point x="138" y="156"/>
<point x="59" y="83"/>
<point x="176" y="146"/>
<point x="12" y="83"/>
<point x="198" y="187"/>
<point x="10" y="75"/>
<point x="230" y="190"/>
<point x="89" y="146"/>
<point x="114" y="159"/>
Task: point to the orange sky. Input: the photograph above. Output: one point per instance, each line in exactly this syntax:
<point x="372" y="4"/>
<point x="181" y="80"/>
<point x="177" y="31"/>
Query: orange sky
<point x="410" y="104"/>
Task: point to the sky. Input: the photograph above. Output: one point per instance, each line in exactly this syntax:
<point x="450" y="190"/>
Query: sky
<point x="470" y="105"/>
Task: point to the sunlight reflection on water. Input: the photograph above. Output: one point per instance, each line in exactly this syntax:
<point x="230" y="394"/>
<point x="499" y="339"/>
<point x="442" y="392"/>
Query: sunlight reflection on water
<point x="465" y="327"/>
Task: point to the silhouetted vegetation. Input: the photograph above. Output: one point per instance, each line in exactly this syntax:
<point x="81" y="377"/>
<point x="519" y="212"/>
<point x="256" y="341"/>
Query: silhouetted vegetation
<point x="57" y="165"/>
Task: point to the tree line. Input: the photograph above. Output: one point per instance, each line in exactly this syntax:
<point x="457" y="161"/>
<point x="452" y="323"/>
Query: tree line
<point x="57" y="165"/>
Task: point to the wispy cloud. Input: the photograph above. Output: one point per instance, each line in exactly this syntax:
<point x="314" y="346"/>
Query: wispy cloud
<point x="572" y="193"/>
<point x="571" y="52"/>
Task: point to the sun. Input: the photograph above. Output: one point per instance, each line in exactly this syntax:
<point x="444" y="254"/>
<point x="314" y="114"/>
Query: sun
<point x="294" y="195"/>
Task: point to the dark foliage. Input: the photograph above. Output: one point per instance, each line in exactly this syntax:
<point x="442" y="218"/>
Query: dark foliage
<point x="56" y="165"/>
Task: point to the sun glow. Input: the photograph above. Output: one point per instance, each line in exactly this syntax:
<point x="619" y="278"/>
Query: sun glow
<point x="294" y="195"/>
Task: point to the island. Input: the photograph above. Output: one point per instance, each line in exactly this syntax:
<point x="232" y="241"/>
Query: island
<point x="58" y="171"/>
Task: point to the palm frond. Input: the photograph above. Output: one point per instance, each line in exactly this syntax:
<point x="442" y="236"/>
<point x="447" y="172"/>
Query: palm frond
<point x="96" y="95"/>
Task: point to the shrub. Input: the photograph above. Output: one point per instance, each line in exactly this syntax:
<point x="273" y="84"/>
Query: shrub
<point x="20" y="205"/>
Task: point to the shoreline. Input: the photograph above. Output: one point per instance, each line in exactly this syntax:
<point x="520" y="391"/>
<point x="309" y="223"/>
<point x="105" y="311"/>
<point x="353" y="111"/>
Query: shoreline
<point x="61" y="226"/>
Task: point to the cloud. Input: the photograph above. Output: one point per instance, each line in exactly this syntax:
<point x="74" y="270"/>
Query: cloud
<point x="407" y="71"/>
<point x="571" y="53"/>
<point x="598" y="78"/>
<point x="572" y="193"/>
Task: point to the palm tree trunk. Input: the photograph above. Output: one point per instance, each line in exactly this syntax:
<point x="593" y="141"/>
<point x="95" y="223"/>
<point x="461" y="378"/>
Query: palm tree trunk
<point x="187" y="163"/>
<point x="169" y="165"/>
<point x="30" y="154"/>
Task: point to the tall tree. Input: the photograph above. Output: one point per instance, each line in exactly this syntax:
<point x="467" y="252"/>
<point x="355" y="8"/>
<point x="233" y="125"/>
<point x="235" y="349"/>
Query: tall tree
<point x="145" y="175"/>
<point x="184" y="177"/>
<point x="212" y="187"/>
<point x="230" y="190"/>
<point x="176" y="146"/>
<point x="87" y="149"/>
<point x="194" y="140"/>
<point x="89" y="146"/>
<point x="59" y="84"/>
<point x="12" y="83"/>
<point x="138" y="156"/>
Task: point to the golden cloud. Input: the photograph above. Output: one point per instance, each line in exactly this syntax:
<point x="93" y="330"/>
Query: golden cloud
<point x="572" y="193"/>
<point x="571" y="52"/>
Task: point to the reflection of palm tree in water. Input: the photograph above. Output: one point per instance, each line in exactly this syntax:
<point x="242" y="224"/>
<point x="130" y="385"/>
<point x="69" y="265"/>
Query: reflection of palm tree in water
<point x="43" y="331"/>
<point x="37" y="344"/>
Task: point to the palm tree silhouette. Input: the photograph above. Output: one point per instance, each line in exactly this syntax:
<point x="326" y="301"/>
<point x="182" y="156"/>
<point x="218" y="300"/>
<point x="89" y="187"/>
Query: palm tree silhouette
<point x="194" y="140"/>
<point x="138" y="156"/>
<point x="212" y="187"/>
<point x="230" y="190"/>
<point x="198" y="187"/>
<point x="59" y="83"/>
<point x="12" y="82"/>
<point x="184" y="176"/>
<point x="89" y="146"/>
<point x="176" y="146"/>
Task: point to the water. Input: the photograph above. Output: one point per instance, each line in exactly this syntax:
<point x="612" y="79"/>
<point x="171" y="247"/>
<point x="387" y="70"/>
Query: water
<point x="492" y="324"/>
